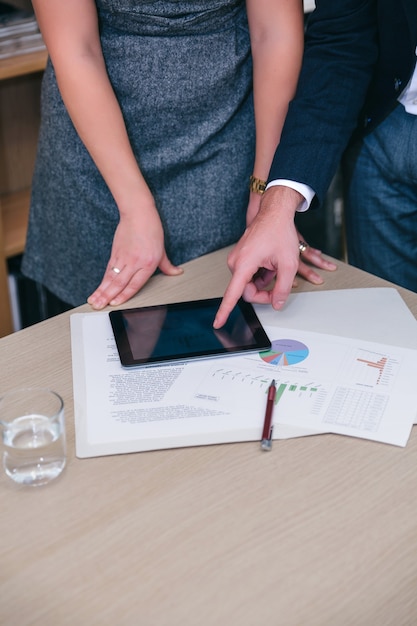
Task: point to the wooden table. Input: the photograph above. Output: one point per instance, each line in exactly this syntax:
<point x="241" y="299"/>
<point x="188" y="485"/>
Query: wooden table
<point x="321" y="531"/>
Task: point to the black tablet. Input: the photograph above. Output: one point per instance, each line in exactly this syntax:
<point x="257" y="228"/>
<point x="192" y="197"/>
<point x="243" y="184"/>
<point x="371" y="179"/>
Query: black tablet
<point x="184" y="330"/>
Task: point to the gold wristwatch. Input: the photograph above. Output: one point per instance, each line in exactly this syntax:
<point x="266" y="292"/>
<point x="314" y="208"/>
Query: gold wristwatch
<point x="257" y="185"/>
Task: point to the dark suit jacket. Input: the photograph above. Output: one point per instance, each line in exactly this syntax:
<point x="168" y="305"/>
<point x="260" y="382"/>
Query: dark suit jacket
<point x="359" y="56"/>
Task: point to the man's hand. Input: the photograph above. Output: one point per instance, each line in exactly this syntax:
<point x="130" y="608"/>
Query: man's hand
<point x="268" y="248"/>
<point x="269" y="243"/>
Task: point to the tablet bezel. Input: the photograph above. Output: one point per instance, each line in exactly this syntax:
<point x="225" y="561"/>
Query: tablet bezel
<point x="259" y="339"/>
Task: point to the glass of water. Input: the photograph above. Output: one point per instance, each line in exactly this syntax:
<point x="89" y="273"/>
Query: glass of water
<point x="33" y="433"/>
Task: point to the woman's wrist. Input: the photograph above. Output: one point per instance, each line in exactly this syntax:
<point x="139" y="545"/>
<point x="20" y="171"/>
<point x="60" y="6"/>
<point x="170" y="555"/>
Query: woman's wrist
<point x="133" y="197"/>
<point x="257" y="185"/>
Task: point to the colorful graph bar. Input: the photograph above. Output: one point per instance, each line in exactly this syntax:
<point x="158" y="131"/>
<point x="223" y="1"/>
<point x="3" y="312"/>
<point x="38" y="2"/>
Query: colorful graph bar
<point x="379" y="365"/>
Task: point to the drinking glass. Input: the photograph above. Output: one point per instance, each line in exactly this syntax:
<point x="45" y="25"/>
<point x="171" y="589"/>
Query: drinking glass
<point x="33" y="434"/>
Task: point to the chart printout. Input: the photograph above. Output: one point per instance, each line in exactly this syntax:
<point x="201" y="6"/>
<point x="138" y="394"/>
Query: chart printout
<point x="325" y="383"/>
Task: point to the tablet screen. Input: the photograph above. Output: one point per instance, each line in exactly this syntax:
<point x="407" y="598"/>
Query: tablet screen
<point x="184" y="330"/>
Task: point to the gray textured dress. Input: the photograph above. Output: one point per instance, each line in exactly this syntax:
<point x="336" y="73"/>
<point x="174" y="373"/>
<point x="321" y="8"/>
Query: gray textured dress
<point x="181" y="71"/>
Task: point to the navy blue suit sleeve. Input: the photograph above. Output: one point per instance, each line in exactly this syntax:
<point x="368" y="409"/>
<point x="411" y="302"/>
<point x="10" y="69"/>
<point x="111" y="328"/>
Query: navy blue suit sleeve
<point x="340" y="54"/>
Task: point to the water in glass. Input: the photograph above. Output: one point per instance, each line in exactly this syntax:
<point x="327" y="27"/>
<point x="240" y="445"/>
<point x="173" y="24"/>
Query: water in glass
<point x="34" y="449"/>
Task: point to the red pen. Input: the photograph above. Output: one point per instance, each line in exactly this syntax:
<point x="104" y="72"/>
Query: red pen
<point x="266" y="441"/>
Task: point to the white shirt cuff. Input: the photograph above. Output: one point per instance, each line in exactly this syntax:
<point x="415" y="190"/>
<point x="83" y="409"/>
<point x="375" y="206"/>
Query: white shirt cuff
<point x="305" y="191"/>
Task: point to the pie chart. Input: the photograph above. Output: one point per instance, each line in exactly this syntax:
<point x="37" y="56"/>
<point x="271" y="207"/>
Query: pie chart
<point x="285" y="352"/>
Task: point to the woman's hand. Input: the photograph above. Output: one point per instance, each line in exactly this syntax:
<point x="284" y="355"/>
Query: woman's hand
<point x="253" y="207"/>
<point x="314" y="258"/>
<point x="138" y="250"/>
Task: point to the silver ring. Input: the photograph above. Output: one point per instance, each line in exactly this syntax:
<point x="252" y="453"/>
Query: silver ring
<point x="116" y="270"/>
<point x="302" y="246"/>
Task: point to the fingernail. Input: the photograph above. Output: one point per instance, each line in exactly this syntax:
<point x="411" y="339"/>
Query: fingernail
<point x="98" y="304"/>
<point x="317" y="280"/>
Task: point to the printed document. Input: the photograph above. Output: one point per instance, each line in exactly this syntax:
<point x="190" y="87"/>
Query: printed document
<point x="325" y="383"/>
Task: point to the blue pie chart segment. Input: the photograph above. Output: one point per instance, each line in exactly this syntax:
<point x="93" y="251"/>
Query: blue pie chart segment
<point x="285" y="352"/>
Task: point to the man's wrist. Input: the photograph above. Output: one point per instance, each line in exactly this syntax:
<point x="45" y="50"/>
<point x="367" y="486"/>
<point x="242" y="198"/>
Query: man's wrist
<point x="306" y="192"/>
<point x="282" y="200"/>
